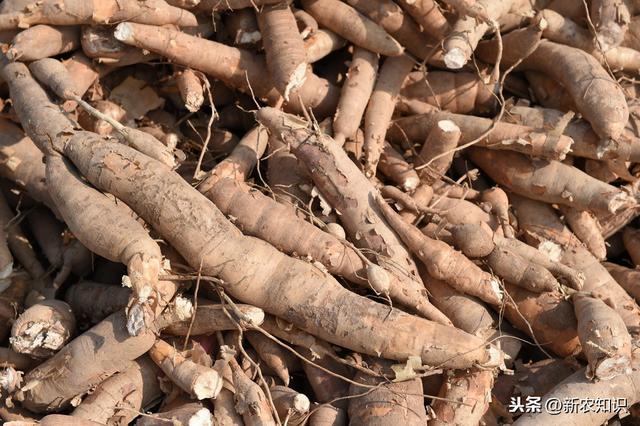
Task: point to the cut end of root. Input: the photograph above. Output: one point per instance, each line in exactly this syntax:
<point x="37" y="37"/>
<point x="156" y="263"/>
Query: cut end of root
<point x="497" y="290"/>
<point x="296" y="80"/>
<point x="135" y="319"/>
<point x="202" y="417"/>
<point x="249" y="37"/>
<point x="301" y="403"/>
<point x="609" y="368"/>
<point x="124" y="32"/>
<point x="496" y="358"/>
<point x="378" y="279"/>
<point x="411" y="183"/>
<point x="207" y="385"/>
<point x="10" y="380"/>
<point x="193" y="102"/>
<point x="455" y="59"/>
<point x="255" y="315"/>
<point x="551" y="249"/>
<point x="40" y="339"/>
<point x="448" y="126"/>
<point x="183" y="308"/>
<point x="620" y="201"/>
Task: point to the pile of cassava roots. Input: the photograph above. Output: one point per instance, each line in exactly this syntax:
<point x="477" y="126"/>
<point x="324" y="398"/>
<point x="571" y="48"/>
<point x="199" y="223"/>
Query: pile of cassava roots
<point x="319" y="212"/>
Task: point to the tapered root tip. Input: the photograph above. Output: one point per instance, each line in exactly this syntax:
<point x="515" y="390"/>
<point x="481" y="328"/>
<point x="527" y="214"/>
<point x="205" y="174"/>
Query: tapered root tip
<point x="551" y="249"/>
<point x="455" y="59"/>
<point x="207" y="385"/>
<point x="124" y="32"/>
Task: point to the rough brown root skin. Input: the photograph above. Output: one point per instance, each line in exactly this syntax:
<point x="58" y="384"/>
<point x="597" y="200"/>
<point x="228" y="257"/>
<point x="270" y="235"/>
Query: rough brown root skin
<point x="317" y="303"/>
<point x="224" y="411"/>
<point x="393" y="165"/>
<point x="428" y="15"/>
<point x="326" y="387"/>
<point x="43" y="41"/>
<point x="629" y="279"/>
<point x="437" y="151"/>
<point x="353" y="26"/>
<point x="271" y="353"/>
<point x="355" y="94"/>
<point x="504" y="136"/>
<point x="92" y="302"/>
<point x="285" y="52"/>
<point x="353" y="198"/>
<point x="467" y="31"/>
<point x="61" y="419"/>
<point x="82" y="364"/>
<point x="551" y="182"/>
<point x="398" y="403"/>
<point x="380" y="109"/>
<point x="11" y="359"/>
<point x="529" y="312"/>
<point x="21" y="162"/>
<point x="480" y="241"/>
<point x="75" y="12"/>
<point x="120" y="397"/>
<point x="260" y="216"/>
<point x="102" y="216"/>
<point x="327" y="415"/>
<point x="12" y="301"/>
<point x="586" y="227"/>
<point x="251" y="402"/>
<point x="401" y="27"/>
<point x="604" y="338"/>
<point x="43" y="329"/>
<point x="598" y="97"/>
<point x="100" y="44"/>
<point x="197" y="380"/>
<point x="207" y="319"/>
<point x="542" y="228"/>
<point x="467" y="396"/>
<point x="322" y="43"/>
<point x="191" y="414"/>
<point x="240" y="69"/>
<point x="443" y="262"/>
<point x="576" y="386"/>
<point x="497" y="201"/>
